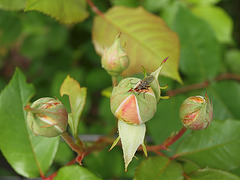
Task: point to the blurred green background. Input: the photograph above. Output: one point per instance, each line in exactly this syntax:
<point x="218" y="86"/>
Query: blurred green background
<point x="47" y="51"/>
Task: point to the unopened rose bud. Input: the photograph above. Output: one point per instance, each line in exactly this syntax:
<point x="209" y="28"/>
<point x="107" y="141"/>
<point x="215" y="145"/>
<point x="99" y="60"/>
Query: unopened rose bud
<point x="131" y="104"/>
<point x="196" y="112"/>
<point x="114" y="59"/>
<point x="47" y="117"/>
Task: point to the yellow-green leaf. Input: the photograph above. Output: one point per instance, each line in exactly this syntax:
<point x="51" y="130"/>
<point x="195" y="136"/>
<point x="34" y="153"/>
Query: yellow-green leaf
<point x="146" y="37"/>
<point x="218" y="19"/>
<point x="77" y="97"/>
<point x="12" y="4"/>
<point x="67" y="12"/>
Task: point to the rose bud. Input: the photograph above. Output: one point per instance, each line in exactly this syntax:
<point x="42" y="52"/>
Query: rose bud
<point x="47" y="117"/>
<point x="134" y="101"/>
<point x="132" y="105"/>
<point x="115" y="59"/>
<point x="196" y="112"/>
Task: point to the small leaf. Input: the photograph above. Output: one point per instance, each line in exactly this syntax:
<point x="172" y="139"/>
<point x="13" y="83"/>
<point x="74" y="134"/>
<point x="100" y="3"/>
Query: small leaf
<point x="199" y="47"/>
<point x="210" y="174"/>
<point x="77" y="97"/>
<point x="215" y="147"/>
<point x="67" y="12"/>
<point x="147" y="38"/>
<point x="75" y="172"/>
<point x="158" y="168"/>
<point x="219" y="20"/>
<point x="132" y="137"/>
<point x="12" y="4"/>
<point x="27" y="154"/>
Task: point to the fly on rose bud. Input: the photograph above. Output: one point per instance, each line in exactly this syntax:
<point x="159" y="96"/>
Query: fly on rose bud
<point x="143" y="85"/>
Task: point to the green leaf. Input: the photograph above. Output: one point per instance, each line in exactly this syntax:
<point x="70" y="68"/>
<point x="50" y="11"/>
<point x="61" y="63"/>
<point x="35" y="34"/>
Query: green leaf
<point x="147" y="39"/>
<point x="203" y="2"/>
<point x="75" y="172"/>
<point x="225" y="97"/>
<point x="77" y="97"/>
<point x="12" y="4"/>
<point x="218" y="19"/>
<point x="199" y="47"/>
<point x="154" y="6"/>
<point x="27" y="154"/>
<point x="215" y="147"/>
<point x="67" y="12"/>
<point x="232" y="60"/>
<point x="158" y="168"/>
<point x="8" y="34"/>
<point x="127" y="3"/>
<point x="111" y="161"/>
<point x="189" y="166"/>
<point x="209" y="174"/>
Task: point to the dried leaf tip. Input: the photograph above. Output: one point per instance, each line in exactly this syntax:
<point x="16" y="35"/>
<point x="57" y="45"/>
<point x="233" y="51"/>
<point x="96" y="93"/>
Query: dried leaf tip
<point x="165" y="60"/>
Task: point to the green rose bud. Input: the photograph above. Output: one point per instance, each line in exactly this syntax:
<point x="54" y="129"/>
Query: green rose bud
<point x="132" y="102"/>
<point x="47" y="117"/>
<point x="114" y="59"/>
<point x="196" y="112"/>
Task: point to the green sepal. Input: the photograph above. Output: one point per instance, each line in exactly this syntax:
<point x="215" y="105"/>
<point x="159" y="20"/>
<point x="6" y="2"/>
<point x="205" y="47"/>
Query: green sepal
<point x="144" y="149"/>
<point x="114" y="143"/>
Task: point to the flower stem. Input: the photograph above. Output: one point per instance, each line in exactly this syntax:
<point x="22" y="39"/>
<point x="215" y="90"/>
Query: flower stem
<point x="169" y="141"/>
<point x="94" y="8"/>
<point x="114" y="81"/>
<point x="203" y="85"/>
<point x="79" y="142"/>
<point x="78" y="149"/>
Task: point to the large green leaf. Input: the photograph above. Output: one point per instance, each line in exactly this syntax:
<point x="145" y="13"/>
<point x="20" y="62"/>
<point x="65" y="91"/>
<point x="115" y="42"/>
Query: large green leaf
<point x="158" y="168"/>
<point x="219" y="20"/>
<point x="225" y="96"/>
<point x="12" y="4"/>
<point x="210" y="174"/>
<point x="77" y="97"/>
<point x="67" y="12"/>
<point x="75" y="172"/>
<point x="146" y="37"/>
<point x="27" y="154"/>
<point x="200" y="51"/>
<point x="216" y="147"/>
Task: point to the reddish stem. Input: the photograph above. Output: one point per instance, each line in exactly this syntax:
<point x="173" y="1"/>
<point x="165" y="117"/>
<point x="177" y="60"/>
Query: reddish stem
<point x="94" y="8"/>
<point x="186" y="176"/>
<point x="168" y="142"/>
<point x="173" y="139"/>
<point x="203" y="84"/>
<point x="114" y="81"/>
<point x="74" y="146"/>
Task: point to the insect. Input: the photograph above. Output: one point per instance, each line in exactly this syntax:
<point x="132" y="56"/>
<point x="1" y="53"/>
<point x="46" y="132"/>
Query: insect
<point x="143" y="85"/>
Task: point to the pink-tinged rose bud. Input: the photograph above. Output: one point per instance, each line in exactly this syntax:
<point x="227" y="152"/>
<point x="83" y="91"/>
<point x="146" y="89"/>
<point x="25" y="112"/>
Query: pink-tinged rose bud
<point x="115" y="59"/>
<point x="47" y="117"/>
<point x="132" y="105"/>
<point x="196" y="112"/>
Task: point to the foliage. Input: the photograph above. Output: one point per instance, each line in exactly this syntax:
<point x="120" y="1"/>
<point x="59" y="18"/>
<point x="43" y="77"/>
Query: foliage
<point x="50" y="48"/>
